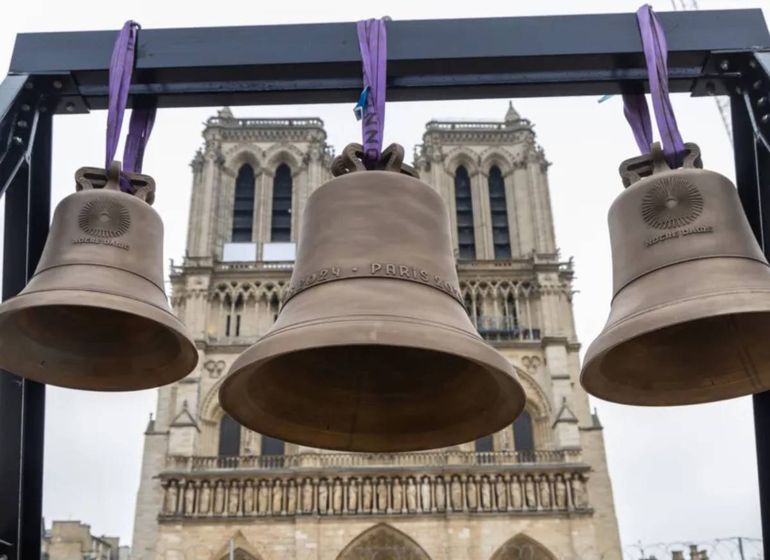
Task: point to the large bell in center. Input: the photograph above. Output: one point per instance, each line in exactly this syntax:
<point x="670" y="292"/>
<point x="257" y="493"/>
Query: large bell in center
<point x="690" y="317"/>
<point x="94" y="316"/>
<point x="373" y="350"/>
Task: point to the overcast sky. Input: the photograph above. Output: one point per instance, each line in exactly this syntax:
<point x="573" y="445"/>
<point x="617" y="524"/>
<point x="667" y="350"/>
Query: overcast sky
<point x="678" y="474"/>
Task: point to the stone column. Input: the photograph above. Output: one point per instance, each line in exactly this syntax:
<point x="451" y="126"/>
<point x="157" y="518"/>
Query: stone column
<point x="522" y="210"/>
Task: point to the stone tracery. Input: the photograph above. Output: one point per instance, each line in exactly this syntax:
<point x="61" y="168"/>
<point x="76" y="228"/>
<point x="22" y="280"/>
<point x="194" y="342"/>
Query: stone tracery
<point x="383" y="542"/>
<point x="522" y="547"/>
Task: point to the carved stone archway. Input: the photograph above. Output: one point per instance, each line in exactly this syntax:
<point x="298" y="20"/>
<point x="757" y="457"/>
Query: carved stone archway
<point x="242" y="550"/>
<point x="240" y="554"/>
<point x="522" y="547"/>
<point x="383" y="542"/>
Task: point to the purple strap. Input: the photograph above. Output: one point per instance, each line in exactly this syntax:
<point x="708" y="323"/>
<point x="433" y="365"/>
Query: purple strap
<point x="139" y="129"/>
<point x="635" y="105"/>
<point x="372" y="40"/>
<point x="142" y="120"/>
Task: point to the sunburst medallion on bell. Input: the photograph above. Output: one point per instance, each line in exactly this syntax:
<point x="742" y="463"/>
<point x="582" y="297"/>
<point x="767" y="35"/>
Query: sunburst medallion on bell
<point x="95" y="315"/>
<point x="690" y="315"/>
<point x="373" y="349"/>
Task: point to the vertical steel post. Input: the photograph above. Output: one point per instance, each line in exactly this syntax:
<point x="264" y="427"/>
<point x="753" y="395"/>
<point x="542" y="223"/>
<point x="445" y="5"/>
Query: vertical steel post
<point x="752" y="174"/>
<point x="11" y="387"/>
<point x="22" y="402"/>
<point x="33" y="419"/>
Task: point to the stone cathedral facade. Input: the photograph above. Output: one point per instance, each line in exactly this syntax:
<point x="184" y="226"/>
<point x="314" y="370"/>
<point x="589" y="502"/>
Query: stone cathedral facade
<point x="537" y="490"/>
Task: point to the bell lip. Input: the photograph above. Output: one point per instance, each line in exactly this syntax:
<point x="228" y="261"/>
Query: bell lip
<point x="507" y="407"/>
<point x="597" y="384"/>
<point x="188" y="354"/>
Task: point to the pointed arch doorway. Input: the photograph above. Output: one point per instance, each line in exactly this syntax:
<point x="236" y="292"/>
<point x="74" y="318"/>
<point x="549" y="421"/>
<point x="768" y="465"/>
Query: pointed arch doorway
<point x="242" y="550"/>
<point x="383" y="542"/>
<point x="522" y="547"/>
<point x="240" y="554"/>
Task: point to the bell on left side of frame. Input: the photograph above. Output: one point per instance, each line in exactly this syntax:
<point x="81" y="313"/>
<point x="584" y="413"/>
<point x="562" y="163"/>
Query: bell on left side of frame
<point x="94" y="315"/>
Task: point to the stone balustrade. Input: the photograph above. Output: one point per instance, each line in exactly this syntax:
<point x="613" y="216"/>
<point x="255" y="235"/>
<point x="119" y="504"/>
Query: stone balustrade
<point x="521" y="264"/>
<point x="265" y="123"/>
<point x="470" y="125"/>
<point x="256" y="266"/>
<point x="441" y="458"/>
<point x="217" y="495"/>
<point x="232" y="340"/>
<point x="236" y="266"/>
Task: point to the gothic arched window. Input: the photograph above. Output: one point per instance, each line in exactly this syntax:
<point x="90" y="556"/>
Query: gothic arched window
<point x="500" y="235"/>
<point x="272" y="450"/>
<point x="484" y="444"/>
<point x="239" y="554"/>
<point x="523" y="434"/>
<point x="229" y="437"/>
<point x="243" y="208"/>
<point x="470" y="307"/>
<point x="522" y="547"/>
<point x="466" y="240"/>
<point x="280" y="226"/>
<point x="275" y="305"/>
<point x="383" y="542"/>
<point x="510" y="314"/>
<point x="233" y="313"/>
<point x="272" y="446"/>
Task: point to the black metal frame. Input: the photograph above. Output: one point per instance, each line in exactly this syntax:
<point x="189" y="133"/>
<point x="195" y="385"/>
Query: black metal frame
<point x="711" y="52"/>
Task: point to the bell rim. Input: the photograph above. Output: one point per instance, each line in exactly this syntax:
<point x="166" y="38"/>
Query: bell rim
<point x="687" y="310"/>
<point x="494" y="364"/>
<point x="114" y="302"/>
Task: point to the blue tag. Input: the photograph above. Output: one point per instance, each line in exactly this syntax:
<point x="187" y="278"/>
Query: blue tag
<point x="360" y="109"/>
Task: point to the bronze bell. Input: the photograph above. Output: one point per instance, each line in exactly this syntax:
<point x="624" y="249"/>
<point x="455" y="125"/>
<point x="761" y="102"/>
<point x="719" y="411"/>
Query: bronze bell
<point x="373" y="350"/>
<point x="95" y="315"/>
<point x="690" y="316"/>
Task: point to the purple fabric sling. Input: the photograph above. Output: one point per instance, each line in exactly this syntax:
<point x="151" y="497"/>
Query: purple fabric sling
<point x="635" y="105"/>
<point x="372" y="41"/>
<point x="142" y="119"/>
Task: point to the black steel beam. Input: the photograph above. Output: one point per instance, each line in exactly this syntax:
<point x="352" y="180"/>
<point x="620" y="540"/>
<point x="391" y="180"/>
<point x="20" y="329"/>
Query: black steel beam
<point x="427" y="59"/>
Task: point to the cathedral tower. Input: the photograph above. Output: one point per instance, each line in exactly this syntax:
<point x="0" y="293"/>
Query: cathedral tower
<point x="538" y="489"/>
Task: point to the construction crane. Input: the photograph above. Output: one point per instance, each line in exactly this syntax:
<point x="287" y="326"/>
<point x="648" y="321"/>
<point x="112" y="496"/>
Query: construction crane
<point x="721" y="103"/>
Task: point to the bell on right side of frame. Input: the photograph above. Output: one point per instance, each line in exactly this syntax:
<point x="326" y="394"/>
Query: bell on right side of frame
<point x="690" y="315"/>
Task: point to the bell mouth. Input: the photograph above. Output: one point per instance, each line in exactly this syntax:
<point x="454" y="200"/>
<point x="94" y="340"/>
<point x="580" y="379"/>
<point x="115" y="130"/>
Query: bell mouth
<point x="703" y="360"/>
<point x="375" y="396"/>
<point x="103" y="343"/>
<point x="690" y="333"/>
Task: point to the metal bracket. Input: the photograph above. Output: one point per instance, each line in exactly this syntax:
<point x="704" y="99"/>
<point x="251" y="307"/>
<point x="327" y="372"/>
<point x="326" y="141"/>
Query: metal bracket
<point x="22" y="99"/>
<point x="744" y="74"/>
<point x="757" y="93"/>
<point x="19" y="111"/>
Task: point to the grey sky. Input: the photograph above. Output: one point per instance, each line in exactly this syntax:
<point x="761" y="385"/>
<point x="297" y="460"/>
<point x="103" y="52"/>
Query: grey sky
<point x="684" y="473"/>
